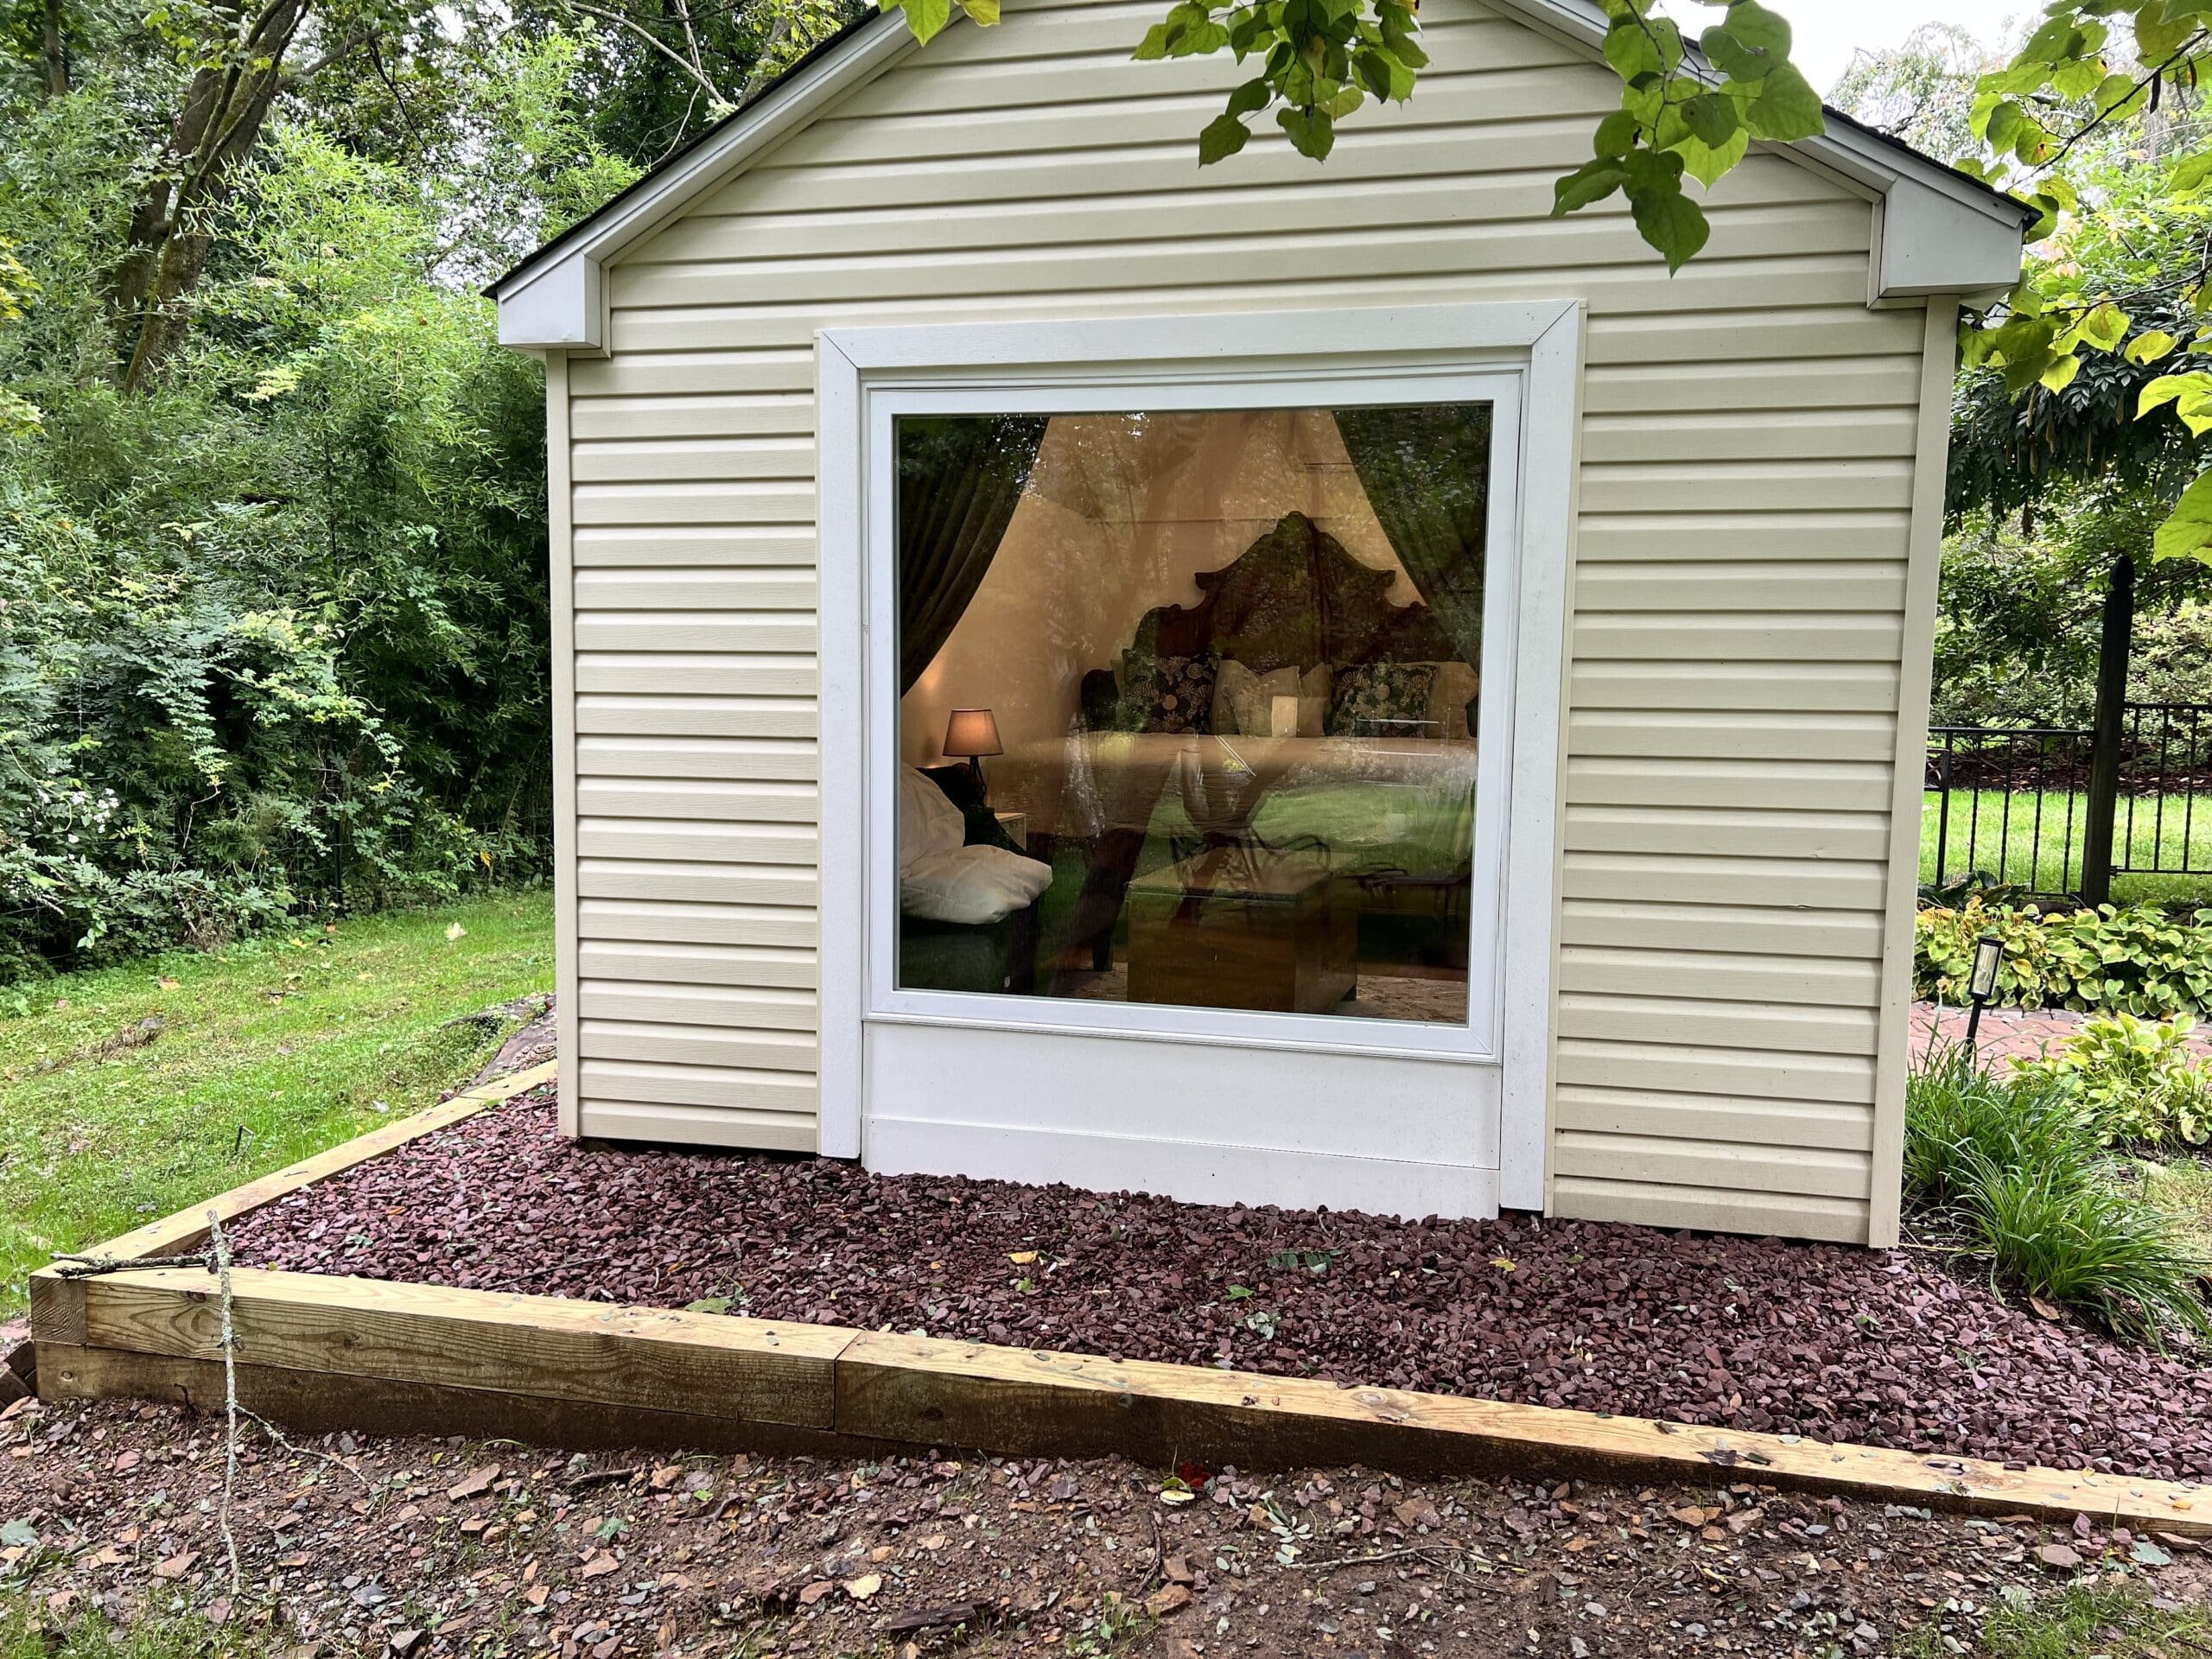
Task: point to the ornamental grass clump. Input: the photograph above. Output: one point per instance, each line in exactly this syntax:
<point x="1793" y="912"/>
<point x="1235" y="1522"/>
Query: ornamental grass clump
<point x="2012" y="1171"/>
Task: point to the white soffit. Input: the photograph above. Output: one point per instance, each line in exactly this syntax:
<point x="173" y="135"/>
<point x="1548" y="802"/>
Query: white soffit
<point x="1938" y="231"/>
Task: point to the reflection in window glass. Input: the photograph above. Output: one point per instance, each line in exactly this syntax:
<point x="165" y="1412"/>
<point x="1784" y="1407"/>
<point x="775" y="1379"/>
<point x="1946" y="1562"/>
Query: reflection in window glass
<point x="1190" y="706"/>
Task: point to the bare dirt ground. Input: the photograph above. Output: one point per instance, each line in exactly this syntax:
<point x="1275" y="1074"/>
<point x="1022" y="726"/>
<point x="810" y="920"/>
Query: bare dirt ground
<point x="419" y="1547"/>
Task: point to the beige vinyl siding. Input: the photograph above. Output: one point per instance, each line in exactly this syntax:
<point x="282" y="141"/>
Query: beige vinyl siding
<point x="1746" y="498"/>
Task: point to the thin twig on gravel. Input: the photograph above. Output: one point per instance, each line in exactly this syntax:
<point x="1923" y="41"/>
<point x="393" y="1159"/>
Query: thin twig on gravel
<point x="278" y="1436"/>
<point x="221" y="1252"/>
<point x="595" y="1476"/>
<point x="71" y="1264"/>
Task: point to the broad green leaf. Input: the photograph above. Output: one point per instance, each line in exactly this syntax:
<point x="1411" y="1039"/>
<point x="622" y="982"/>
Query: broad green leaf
<point x="1713" y="118"/>
<point x="1399" y="30"/>
<point x="1311" y="131"/>
<point x="985" y="12"/>
<point x="2190" y="394"/>
<point x="1592" y="182"/>
<point x="1616" y="135"/>
<point x="2188" y="533"/>
<point x="1221" y="137"/>
<point x="1383" y="75"/>
<point x="1154" y="44"/>
<point x="1250" y="98"/>
<point x="1671" y="222"/>
<point x="1758" y="28"/>
<point x="925" y="17"/>
<point x="2060" y="375"/>
<point x="1631" y="50"/>
<point x="2191" y="174"/>
<point x="2150" y="346"/>
<point x="1709" y="166"/>
<point x="2104" y="328"/>
<point x="1786" y="106"/>
<point x="1733" y="57"/>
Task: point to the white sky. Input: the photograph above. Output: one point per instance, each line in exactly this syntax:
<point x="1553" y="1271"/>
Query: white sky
<point x="1829" y="31"/>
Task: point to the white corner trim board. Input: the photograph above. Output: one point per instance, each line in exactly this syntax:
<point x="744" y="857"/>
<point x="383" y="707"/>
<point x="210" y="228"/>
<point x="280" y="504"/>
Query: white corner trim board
<point x="1940" y="232"/>
<point x="1469" y="1104"/>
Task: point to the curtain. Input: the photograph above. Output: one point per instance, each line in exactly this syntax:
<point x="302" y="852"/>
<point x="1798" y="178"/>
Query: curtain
<point x="960" y="478"/>
<point x="1426" y="469"/>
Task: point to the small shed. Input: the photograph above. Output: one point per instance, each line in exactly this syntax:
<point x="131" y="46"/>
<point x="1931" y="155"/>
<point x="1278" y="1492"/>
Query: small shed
<point x="1316" y="684"/>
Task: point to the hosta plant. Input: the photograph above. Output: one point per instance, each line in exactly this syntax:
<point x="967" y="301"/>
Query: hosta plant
<point x="2138" y="960"/>
<point x="2136" y="1080"/>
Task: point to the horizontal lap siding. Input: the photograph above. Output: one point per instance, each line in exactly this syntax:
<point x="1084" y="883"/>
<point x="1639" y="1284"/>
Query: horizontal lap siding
<point x="1734" y="679"/>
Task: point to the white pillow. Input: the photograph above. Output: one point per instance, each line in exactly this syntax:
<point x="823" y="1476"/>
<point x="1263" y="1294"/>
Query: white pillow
<point x="1243" y="703"/>
<point x="971" y="885"/>
<point x="928" y="822"/>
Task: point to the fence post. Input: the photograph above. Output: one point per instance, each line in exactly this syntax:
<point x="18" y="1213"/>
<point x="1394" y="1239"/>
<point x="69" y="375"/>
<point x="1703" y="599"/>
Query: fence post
<point x="2105" y="732"/>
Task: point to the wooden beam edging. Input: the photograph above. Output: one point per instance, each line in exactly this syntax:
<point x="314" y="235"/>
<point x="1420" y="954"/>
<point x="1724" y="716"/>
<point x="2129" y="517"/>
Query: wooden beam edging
<point x="441" y="1360"/>
<point x="57" y="1303"/>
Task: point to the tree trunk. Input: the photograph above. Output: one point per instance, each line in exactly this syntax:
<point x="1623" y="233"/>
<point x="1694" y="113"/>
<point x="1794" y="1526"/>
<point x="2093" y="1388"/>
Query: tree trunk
<point x="57" y="55"/>
<point x="225" y="109"/>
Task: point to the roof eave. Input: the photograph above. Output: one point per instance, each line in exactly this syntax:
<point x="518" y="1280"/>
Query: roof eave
<point x="554" y="300"/>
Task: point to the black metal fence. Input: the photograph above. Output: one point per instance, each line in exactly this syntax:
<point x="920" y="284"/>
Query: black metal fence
<point x="2165" y="764"/>
<point x="2009" y="802"/>
<point x="2015" y="802"/>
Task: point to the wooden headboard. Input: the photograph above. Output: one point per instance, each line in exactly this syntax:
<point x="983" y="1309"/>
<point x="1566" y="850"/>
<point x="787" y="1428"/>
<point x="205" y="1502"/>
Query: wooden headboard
<point x="1295" y="599"/>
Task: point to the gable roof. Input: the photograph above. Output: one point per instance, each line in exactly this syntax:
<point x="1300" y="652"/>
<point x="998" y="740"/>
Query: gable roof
<point x="1942" y="231"/>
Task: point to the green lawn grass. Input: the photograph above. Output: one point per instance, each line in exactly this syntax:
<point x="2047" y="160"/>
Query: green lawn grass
<point x="2116" y="1621"/>
<point x="266" y="1052"/>
<point x="1995" y="832"/>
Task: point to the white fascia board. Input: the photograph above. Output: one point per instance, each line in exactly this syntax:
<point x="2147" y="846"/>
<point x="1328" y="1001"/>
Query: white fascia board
<point x="555" y="301"/>
<point x="1939" y="232"/>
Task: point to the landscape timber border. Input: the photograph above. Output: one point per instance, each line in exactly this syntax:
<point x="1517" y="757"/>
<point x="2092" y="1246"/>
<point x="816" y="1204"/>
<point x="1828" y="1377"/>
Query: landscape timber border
<point x="321" y="1353"/>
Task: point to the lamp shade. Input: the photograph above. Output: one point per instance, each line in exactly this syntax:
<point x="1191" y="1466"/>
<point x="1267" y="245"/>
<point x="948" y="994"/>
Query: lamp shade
<point x="972" y="732"/>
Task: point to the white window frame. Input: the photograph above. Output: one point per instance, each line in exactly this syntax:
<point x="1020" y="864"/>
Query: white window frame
<point x="1524" y="359"/>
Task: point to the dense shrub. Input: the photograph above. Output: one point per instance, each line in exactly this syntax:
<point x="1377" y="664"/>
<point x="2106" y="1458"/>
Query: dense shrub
<point x="2012" y="1172"/>
<point x="2138" y="960"/>
<point x="2135" y="1080"/>
<point x="273" y="625"/>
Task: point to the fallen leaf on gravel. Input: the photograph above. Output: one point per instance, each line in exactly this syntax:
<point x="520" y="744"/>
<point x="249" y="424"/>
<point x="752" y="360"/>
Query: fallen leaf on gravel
<point x="814" y="1592"/>
<point x="1022" y="1258"/>
<point x="666" y="1476"/>
<point x="2060" y="1557"/>
<point x="1504" y="1264"/>
<point x="867" y="1584"/>
<point x="177" y="1565"/>
<point x="476" y="1484"/>
<point x="1169" y="1598"/>
<point x="1176" y="1495"/>
<point x="2044" y="1309"/>
<point x="599" y="1566"/>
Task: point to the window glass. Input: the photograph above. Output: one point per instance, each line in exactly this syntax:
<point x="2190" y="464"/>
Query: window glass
<point x="1190" y="704"/>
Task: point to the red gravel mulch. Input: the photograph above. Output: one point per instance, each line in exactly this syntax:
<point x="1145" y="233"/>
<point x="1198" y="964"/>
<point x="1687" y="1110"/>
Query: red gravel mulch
<point x="1833" y="1343"/>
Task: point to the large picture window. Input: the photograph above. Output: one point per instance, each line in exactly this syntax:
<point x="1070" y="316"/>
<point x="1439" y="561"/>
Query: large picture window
<point x="1189" y="705"/>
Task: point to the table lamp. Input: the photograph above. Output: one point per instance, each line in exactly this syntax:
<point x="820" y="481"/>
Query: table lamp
<point x="973" y="734"/>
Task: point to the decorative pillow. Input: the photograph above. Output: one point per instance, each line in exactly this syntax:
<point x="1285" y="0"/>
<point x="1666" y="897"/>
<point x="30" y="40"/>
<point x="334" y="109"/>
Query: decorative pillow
<point x="1457" y="686"/>
<point x="1369" y="700"/>
<point x="929" y="825"/>
<point x="972" y="886"/>
<point x="1167" y="694"/>
<point x="1244" y="702"/>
